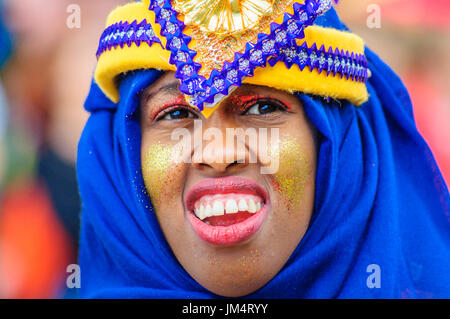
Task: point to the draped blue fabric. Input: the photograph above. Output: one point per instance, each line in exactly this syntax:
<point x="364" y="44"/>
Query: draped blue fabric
<point x="6" y="42"/>
<point x="380" y="200"/>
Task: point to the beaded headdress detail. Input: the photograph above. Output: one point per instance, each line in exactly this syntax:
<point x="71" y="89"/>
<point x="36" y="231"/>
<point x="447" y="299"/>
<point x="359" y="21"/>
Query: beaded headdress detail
<point x="216" y="45"/>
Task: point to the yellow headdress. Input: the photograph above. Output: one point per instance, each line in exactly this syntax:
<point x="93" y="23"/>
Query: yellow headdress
<point x="216" y="45"/>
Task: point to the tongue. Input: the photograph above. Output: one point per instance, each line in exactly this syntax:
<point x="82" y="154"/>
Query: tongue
<point x="227" y="219"/>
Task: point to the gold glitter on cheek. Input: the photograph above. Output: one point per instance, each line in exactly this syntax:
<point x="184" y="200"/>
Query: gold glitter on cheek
<point x="294" y="171"/>
<point x="161" y="174"/>
<point x="248" y="262"/>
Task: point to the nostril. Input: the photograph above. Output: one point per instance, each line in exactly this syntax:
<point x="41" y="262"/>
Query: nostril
<point x="203" y="165"/>
<point x="220" y="166"/>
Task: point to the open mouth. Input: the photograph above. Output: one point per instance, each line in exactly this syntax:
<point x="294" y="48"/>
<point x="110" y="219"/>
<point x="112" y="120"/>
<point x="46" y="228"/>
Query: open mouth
<point x="226" y="211"/>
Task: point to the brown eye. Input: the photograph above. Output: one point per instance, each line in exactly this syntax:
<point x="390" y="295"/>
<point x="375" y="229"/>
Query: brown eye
<point x="263" y="107"/>
<point x="177" y="114"/>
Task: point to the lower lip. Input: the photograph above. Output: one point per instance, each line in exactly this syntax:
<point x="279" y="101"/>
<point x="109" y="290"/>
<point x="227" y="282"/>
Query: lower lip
<point x="232" y="234"/>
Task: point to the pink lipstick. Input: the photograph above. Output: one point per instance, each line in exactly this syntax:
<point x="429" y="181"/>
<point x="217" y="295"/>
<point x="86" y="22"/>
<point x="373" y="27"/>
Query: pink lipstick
<point x="228" y="210"/>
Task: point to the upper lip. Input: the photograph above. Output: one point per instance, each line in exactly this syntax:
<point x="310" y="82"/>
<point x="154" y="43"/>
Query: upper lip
<point x="223" y="185"/>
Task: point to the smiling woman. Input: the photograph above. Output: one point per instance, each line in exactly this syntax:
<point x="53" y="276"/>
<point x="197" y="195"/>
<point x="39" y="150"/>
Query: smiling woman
<point x="215" y="213"/>
<point x="206" y="220"/>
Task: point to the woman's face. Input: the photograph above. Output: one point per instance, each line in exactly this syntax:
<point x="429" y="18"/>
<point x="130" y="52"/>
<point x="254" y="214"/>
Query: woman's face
<point x="232" y="207"/>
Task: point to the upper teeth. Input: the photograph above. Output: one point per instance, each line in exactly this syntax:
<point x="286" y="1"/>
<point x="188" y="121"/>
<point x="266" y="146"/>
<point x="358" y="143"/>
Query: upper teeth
<point x="218" y="205"/>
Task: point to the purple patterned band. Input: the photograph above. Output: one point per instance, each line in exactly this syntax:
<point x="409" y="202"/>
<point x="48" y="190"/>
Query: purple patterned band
<point x="346" y="64"/>
<point x="122" y="33"/>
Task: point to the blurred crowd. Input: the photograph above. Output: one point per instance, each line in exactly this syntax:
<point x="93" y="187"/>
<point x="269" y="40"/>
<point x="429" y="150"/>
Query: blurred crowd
<point x="46" y="66"/>
<point x="51" y="46"/>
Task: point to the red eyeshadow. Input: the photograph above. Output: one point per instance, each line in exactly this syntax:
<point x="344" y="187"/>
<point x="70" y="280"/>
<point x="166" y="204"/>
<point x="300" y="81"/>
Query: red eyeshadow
<point x="241" y="102"/>
<point x="179" y="100"/>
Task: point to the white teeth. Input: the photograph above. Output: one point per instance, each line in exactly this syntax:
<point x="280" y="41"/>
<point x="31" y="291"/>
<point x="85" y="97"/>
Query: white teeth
<point x="218" y="208"/>
<point x="231" y="206"/>
<point x="208" y="211"/>
<point x="201" y="213"/>
<point x="243" y="207"/>
<point x="251" y="206"/>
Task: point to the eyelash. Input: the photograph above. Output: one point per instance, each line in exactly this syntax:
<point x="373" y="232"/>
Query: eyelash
<point x="174" y="108"/>
<point x="247" y="106"/>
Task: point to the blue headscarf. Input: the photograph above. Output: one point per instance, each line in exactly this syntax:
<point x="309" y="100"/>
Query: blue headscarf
<point x="380" y="200"/>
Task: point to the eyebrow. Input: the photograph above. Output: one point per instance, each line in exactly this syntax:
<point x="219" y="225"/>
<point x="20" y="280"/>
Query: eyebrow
<point x="168" y="88"/>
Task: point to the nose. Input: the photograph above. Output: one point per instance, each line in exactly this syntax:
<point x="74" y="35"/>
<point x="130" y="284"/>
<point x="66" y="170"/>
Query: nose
<point x="220" y="151"/>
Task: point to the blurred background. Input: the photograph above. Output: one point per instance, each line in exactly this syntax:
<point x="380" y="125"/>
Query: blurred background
<point x="51" y="46"/>
<point x="46" y="64"/>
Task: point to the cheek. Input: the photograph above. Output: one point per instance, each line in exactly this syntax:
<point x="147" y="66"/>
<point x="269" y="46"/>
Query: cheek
<point x="162" y="174"/>
<point x="295" y="170"/>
